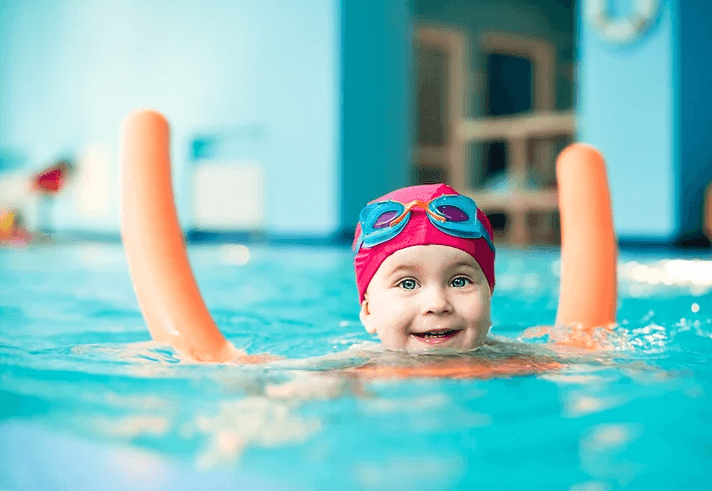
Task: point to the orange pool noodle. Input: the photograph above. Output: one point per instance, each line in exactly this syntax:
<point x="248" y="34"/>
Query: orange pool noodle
<point x="163" y="280"/>
<point x="588" y="245"/>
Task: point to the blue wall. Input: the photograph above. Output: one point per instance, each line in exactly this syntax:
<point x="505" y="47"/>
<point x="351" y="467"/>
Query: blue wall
<point x="626" y="109"/>
<point x="694" y="118"/>
<point x="71" y="70"/>
<point x="376" y="102"/>
<point x="646" y="105"/>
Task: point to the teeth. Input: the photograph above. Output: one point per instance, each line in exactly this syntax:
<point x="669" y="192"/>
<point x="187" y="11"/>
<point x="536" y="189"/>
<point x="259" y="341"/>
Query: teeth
<point x="435" y="334"/>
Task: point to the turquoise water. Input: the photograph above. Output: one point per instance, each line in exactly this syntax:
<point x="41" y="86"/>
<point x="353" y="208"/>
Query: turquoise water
<point x="88" y="402"/>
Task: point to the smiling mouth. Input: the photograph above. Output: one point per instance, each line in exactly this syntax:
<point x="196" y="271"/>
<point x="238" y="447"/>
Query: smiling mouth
<point x="436" y="336"/>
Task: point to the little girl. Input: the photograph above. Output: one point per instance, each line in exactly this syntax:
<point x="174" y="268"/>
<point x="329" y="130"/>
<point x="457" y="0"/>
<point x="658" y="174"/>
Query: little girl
<point x="425" y="269"/>
<point x="424" y="258"/>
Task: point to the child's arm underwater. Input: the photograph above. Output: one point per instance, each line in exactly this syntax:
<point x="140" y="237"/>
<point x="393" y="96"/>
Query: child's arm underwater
<point x="174" y="309"/>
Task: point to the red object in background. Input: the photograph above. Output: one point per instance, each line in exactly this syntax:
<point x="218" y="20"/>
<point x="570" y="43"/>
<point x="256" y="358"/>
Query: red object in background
<point x="53" y="178"/>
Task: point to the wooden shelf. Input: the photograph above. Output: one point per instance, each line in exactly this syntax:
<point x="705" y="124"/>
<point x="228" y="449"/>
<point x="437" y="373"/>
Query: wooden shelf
<point x="542" y="201"/>
<point x="530" y="138"/>
<point x="532" y="125"/>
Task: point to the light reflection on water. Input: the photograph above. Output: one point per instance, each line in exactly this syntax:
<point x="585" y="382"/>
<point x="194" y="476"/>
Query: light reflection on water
<point x="76" y="360"/>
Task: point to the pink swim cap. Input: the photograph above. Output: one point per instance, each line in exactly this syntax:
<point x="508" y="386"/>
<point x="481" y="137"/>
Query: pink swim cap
<point x="419" y="231"/>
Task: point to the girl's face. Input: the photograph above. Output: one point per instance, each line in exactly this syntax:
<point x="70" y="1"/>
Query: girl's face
<point x="428" y="297"/>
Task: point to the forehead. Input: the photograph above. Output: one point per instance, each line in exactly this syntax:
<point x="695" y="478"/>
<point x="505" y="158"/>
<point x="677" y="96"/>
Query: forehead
<point x="430" y="256"/>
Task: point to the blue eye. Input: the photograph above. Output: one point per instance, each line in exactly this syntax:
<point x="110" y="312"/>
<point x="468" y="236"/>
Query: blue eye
<point x="460" y="282"/>
<point x="408" y="284"/>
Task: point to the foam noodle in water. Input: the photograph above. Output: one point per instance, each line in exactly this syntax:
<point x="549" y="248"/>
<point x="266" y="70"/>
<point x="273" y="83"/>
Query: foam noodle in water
<point x="588" y="244"/>
<point x="163" y="280"/>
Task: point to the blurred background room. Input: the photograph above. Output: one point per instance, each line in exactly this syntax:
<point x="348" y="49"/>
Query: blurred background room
<point x="277" y="108"/>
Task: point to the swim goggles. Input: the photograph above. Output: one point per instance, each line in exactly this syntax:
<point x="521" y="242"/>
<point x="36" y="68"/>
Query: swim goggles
<point x="453" y="214"/>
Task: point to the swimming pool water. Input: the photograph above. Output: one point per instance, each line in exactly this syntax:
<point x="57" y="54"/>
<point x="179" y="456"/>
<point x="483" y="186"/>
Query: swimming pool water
<point x="87" y="402"/>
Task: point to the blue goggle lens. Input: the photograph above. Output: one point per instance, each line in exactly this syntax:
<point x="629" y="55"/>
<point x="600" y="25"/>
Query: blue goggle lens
<point x="452" y="213"/>
<point x="385" y="219"/>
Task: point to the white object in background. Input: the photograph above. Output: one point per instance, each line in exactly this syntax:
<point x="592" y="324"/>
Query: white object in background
<point x="624" y="30"/>
<point x="228" y="196"/>
<point x="91" y="189"/>
<point x="16" y="193"/>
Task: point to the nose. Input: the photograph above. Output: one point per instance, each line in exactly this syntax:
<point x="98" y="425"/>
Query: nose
<point x="435" y="300"/>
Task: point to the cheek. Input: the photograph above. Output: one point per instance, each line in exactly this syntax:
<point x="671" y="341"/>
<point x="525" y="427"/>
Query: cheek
<point x="390" y="318"/>
<point x="478" y="310"/>
<point x="479" y="319"/>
